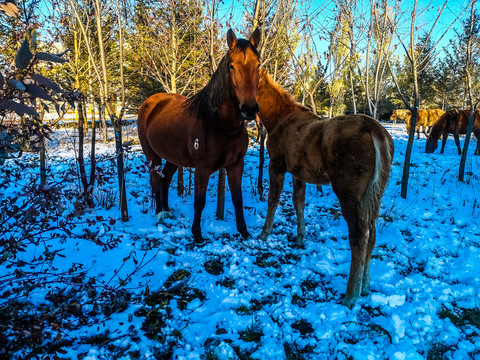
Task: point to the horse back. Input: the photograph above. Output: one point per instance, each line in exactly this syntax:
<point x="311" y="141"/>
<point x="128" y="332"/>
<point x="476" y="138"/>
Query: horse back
<point x="165" y="128"/>
<point x="321" y="151"/>
<point x="457" y="121"/>
<point x="432" y="115"/>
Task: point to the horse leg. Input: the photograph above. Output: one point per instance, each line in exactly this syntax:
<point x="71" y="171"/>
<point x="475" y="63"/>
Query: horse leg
<point x="477" y="150"/>
<point x="358" y="234"/>
<point x="366" y="270"/>
<point x="457" y="142"/>
<point x="234" y="176"/>
<point x="299" y="205"/>
<point x="201" y="183"/>
<point x="277" y="178"/>
<point x="168" y="171"/>
<point x="444" y="141"/>
<point x="156" y="177"/>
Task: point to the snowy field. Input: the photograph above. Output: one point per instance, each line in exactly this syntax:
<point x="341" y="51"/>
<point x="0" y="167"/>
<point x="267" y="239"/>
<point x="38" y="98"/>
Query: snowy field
<point x="97" y="288"/>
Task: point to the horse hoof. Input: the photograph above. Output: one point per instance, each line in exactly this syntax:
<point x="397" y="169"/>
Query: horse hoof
<point x="299" y="245"/>
<point x="348" y="302"/>
<point x="161" y="216"/>
<point x="300" y="242"/>
<point x="199" y="241"/>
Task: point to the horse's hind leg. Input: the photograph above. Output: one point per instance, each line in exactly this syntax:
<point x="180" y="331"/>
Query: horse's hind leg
<point x="201" y="183"/>
<point x="366" y="270"/>
<point x="358" y="234"/>
<point x="168" y="172"/>
<point x="156" y="179"/>
<point x="299" y="205"/>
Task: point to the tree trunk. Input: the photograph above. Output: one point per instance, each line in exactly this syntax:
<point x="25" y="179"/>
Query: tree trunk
<point x="87" y="189"/>
<point x="117" y="127"/>
<point x="413" y="120"/>
<point x="93" y="161"/>
<point x="43" y="164"/>
<point x="103" y="120"/>
<point x="463" y="160"/>
<point x="43" y="157"/>
<point x="408" y="152"/>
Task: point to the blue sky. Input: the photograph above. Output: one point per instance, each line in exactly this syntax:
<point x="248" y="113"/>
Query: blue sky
<point x="427" y="13"/>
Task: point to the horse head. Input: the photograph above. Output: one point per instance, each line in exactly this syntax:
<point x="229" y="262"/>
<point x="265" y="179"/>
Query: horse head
<point x="431" y="144"/>
<point x="244" y="63"/>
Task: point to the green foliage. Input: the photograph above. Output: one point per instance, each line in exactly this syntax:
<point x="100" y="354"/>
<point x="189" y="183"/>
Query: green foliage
<point x="251" y="334"/>
<point x="24" y="55"/>
<point x="23" y="89"/>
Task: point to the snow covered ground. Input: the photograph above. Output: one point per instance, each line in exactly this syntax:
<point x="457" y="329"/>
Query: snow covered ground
<point x="138" y="290"/>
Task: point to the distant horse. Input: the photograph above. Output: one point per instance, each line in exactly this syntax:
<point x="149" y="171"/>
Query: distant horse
<point x="453" y="122"/>
<point x="206" y="132"/>
<point x="402" y="114"/>
<point x="352" y="152"/>
<point x="425" y="119"/>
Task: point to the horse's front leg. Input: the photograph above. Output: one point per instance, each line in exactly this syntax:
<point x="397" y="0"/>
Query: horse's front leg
<point x="234" y="176"/>
<point x="277" y="178"/>
<point x="299" y="205"/>
<point x="201" y="183"/>
<point x="444" y="141"/>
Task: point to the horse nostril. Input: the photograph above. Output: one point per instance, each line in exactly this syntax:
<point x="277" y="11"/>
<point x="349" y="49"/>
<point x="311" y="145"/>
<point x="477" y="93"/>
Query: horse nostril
<point x="249" y="112"/>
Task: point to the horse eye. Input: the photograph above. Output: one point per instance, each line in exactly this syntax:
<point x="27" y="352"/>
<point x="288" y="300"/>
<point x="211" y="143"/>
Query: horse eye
<point x="231" y="67"/>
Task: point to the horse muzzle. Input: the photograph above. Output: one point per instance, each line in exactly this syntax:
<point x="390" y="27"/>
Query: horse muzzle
<point x="249" y="112"/>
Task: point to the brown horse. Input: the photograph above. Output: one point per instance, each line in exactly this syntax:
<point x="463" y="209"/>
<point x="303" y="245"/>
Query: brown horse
<point x="206" y="132"/>
<point x="425" y="119"/>
<point x="352" y="152"/>
<point x="453" y="122"/>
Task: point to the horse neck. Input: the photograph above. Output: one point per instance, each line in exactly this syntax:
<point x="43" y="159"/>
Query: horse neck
<point x="273" y="101"/>
<point x="207" y="102"/>
<point x="438" y="128"/>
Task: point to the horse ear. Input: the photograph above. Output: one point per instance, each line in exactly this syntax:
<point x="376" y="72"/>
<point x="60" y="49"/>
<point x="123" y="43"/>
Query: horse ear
<point x="231" y="38"/>
<point x="255" y="37"/>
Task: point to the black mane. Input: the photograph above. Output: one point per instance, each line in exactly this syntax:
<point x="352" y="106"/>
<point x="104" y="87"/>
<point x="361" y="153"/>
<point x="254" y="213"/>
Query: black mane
<point x="206" y="102"/>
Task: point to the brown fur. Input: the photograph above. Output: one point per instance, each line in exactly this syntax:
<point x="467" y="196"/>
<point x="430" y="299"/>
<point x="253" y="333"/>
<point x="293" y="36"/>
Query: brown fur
<point x="453" y="122"/>
<point x="206" y="132"/>
<point x="352" y="152"/>
<point x="425" y="119"/>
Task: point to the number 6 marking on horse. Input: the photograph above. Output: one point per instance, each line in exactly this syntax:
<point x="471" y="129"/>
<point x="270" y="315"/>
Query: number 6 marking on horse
<point x="195" y="144"/>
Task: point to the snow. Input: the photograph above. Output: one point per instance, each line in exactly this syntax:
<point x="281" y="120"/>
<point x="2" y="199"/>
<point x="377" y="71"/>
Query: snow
<point x="426" y="261"/>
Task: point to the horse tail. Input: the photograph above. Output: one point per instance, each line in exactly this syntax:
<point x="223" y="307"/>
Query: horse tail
<point x="383" y="145"/>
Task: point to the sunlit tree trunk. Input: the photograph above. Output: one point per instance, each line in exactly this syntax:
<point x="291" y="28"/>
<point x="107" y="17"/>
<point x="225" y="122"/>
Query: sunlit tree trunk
<point x="473" y="106"/>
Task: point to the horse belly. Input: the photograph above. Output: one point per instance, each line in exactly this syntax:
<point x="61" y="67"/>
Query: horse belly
<point x="306" y="164"/>
<point x="173" y="149"/>
<point x="311" y="177"/>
